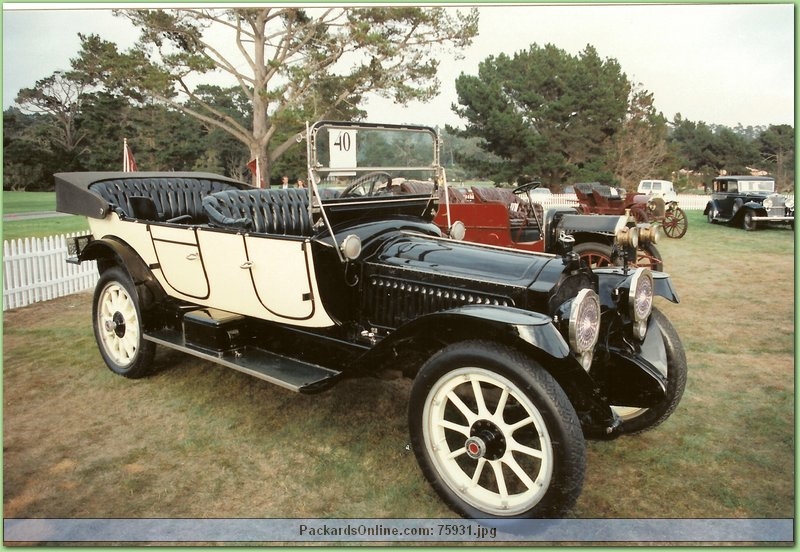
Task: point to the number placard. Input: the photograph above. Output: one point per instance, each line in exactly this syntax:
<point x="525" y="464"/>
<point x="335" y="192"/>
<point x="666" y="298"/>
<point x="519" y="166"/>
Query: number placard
<point x="342" y="148"/>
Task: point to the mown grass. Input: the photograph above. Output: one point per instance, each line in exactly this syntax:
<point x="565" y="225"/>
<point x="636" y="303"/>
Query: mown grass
<point x="196" y="440"/>
<point x="35" y="202"/>
<point x="27" y="202"/>
<point x="43" y="227"/>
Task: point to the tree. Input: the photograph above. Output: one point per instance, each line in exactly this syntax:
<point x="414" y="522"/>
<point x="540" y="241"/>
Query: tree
<point x="712" y="150"/>
<point x="58" y="98"/>
<point x="547" y="113"/>
<point x="640" y="147"/>
<point x="28" y="160"/>
<point x="291" y="64"/>
<point x="776" y="145"/>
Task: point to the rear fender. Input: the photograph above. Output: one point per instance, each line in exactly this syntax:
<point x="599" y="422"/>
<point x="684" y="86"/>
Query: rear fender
<point x="111" y="251"/>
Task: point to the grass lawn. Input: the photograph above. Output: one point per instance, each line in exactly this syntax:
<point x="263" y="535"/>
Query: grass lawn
<point x="197" y="440"/>
<point x="27" y="202"/>
<point x="34" y="202"/>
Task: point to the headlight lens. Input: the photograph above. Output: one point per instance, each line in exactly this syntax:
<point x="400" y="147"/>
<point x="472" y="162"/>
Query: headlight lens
<point x="584" y="321"/>
<point x="458" y="231"/>
<point x="640" y="300"/>
<point x="768" y="203"/>
<point x="790" y="203"/>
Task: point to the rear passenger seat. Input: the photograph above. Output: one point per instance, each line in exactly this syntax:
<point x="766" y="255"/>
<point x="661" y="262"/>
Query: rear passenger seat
<point x="281" y="211"/>
<point x="159" y="199"/>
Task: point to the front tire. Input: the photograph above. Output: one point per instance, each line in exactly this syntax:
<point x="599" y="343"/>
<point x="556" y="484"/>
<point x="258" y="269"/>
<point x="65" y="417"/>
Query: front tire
<point x="675" y="223"/>
<point x="596" y="255"/>
<point x="747" y="221"/>
<point x="494" y="434"/>
<point x="117" y="322"/>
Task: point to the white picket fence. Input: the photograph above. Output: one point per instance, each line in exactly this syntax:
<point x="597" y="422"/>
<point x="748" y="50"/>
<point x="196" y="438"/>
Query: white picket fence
<point x="687" y="202"/>
<point x="36" y="269"/>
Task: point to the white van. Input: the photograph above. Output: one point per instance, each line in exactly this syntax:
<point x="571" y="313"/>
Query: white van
<point x="662" y="188"/>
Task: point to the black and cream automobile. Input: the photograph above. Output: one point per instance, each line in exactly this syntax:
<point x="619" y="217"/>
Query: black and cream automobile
<point x="516" y="357"/>
<point x="748" y="202"/>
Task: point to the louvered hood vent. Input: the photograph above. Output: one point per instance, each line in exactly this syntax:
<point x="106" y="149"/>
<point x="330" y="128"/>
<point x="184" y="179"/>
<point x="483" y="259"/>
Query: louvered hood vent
<point x="391" y="302"/>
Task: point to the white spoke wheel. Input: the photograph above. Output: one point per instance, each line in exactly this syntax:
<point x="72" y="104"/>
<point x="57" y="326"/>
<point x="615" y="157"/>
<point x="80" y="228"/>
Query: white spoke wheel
<point x="636" y="420"/>
<point x="494" y="434"/>
<point x="117" y="322"/>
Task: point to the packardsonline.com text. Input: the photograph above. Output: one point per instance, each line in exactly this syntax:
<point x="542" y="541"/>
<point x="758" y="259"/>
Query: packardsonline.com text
<point x="439" y="531"/>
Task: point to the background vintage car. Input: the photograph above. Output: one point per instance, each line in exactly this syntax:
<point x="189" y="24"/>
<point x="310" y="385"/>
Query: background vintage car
<point x="515" y="357"/>
<point x="747" y="201"/>
<point x="597" y="198"/>
<point x="516" y="219"/>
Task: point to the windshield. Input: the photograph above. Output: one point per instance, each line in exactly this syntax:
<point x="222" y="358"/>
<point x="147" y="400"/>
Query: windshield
<point x="756" y="185"/>
<point x="343" y="154"/>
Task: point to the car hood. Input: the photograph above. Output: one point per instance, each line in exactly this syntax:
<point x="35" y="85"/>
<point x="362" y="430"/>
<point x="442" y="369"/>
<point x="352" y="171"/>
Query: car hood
<point x="443" y="259"/>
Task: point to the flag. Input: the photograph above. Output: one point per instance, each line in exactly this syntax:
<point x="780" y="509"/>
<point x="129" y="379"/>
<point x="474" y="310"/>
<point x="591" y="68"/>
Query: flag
<point x="255" y="168"/>
<point x="128" y="162"/>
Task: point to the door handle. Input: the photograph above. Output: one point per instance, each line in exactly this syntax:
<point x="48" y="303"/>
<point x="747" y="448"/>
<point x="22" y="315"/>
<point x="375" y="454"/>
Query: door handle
<point x="192" y="257"/>
<point x="247" y="264"/>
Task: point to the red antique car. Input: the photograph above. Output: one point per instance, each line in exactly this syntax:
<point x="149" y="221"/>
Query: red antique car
<point x="599" y="199"/>
<point x="507" y="218"/>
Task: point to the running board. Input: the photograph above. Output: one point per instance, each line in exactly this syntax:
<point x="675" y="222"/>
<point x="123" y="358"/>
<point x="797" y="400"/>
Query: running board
<point x="289" y="373"/>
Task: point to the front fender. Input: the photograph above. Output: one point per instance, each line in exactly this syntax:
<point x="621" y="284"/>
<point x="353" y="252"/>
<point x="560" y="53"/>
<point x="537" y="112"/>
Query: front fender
<point x="532" y="333"/>
<point x="636" y="378"/>
<point x="610" y="279"/>
<point x="506" y="324"/>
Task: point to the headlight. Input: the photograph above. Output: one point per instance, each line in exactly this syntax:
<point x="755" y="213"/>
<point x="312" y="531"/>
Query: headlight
<point x="627" y="236"/>
<point x="351" y="247"/>
<point x="790" y="203"/>
<point x="584" y="325"/>
<point x="640" y="300"/>
<point x="649" y="233"/>
<point x="768" y="203"/>
<point x="457" y="231"/>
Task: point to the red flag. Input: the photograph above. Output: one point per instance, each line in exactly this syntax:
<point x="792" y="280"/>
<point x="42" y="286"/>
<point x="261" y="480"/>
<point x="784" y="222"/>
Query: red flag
<point x="255" y="169"/>
<point x="128" y="162"/>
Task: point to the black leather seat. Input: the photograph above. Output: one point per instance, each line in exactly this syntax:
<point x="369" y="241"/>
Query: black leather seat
<point x="159" y="199"/>
<point x="283" y="211"/>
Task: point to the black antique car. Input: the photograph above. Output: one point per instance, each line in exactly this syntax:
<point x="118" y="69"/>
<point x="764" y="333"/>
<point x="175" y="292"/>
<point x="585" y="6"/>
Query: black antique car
<point x="747" y="202"/>
<point x="515" y="357"/>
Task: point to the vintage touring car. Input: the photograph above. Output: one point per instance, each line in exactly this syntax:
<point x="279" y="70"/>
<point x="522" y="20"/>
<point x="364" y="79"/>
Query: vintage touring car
<point x="515" y="357"/>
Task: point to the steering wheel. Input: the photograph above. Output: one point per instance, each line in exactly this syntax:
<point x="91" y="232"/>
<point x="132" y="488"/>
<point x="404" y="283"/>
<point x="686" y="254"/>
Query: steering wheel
<point x="528" y="186"/>
<point x="365" y="185"/>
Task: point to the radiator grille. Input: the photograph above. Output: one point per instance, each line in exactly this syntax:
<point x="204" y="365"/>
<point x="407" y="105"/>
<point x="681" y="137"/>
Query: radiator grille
<point x="390" y="302"/>
<point x="776" y="211"/>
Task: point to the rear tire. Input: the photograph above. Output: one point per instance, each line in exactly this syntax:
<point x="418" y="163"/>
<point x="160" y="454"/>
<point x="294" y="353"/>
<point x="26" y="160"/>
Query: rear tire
<point x="494" y="434"/>
<point x="117" y="322"/>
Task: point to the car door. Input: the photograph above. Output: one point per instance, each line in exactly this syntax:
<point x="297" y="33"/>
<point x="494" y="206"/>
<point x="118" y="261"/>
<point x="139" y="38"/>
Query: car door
<point x="281" y="276"/>
<point x="726" y="199"/>
<point x="267" y="277"/>
<point x="179" y="259"/>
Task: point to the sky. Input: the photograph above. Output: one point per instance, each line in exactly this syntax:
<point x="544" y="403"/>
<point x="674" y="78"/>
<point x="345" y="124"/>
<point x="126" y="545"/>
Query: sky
<point x="726" y="64"/>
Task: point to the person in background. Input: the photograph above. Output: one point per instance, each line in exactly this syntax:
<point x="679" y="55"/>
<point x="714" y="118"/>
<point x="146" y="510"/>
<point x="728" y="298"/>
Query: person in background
<point x="284" y="182"/>
<point x="300" y="183"/>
